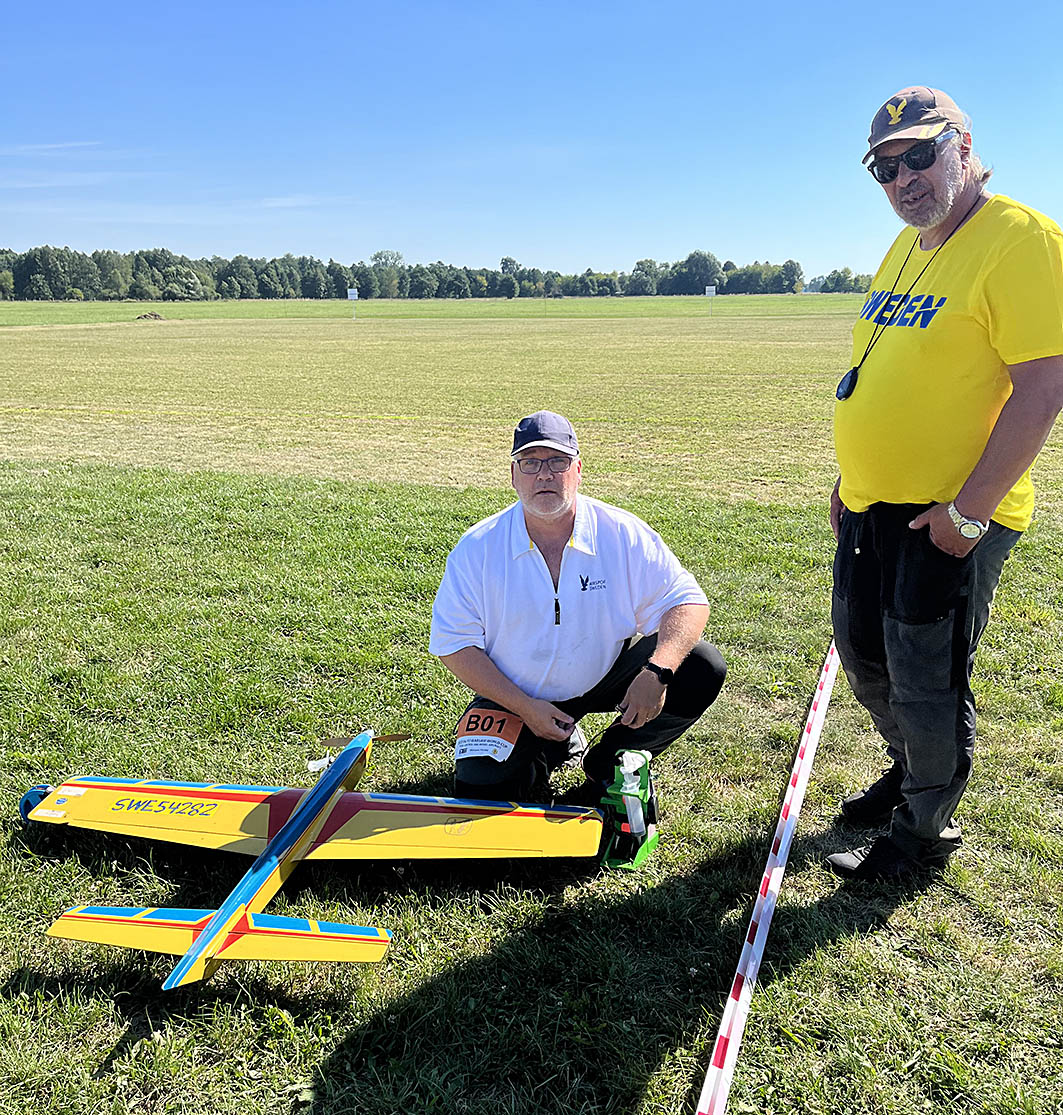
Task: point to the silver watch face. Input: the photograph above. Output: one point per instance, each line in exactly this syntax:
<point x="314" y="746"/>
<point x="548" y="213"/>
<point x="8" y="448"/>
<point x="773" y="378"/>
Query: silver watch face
<point x="970" y="530"/>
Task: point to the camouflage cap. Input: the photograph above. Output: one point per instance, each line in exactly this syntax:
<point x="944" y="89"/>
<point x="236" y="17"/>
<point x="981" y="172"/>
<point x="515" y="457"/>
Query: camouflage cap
<point x="914" y="113"/>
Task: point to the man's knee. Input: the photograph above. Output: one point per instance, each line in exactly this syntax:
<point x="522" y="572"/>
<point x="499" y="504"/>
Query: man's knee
<point x="697" y="682"/>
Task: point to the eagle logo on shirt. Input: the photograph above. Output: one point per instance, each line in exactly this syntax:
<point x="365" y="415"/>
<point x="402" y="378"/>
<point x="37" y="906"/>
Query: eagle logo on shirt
<point x="583" y="582"/>
<point x="896" y="111"/>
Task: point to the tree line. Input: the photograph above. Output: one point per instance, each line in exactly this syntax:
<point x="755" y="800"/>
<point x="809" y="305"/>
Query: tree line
<point x="48" y="273"/>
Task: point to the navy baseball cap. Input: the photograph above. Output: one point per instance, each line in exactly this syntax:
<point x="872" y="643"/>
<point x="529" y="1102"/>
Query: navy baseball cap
<point x="545" y="428"/>
<point x="917" y="112"/>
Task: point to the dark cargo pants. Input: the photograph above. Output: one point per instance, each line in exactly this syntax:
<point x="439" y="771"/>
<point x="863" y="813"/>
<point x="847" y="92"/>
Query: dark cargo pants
<point x="907" y="620"/>
<point x="523" y="776"/>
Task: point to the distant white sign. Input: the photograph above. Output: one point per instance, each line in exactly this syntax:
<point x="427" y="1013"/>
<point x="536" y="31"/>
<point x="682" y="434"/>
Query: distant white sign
<point x="710" y="291"/>
<point x="352" y="294"/>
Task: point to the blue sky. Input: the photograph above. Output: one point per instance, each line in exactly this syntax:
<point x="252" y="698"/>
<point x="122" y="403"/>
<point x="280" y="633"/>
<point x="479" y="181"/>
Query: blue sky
<point x="568" y="135"/>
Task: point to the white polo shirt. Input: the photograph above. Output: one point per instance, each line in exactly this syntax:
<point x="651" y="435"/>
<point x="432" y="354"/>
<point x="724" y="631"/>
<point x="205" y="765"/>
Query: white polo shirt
<point x="618" y="578"/>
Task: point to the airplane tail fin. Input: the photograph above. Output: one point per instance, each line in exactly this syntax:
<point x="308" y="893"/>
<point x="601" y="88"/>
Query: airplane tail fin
<point x="252" y="937"/>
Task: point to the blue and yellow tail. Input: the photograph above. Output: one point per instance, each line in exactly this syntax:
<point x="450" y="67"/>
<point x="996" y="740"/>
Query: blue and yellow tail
<point x="253" y="936"/>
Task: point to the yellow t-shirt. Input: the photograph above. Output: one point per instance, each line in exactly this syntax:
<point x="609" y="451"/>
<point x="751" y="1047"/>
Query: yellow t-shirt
<point x="931" y="389"/>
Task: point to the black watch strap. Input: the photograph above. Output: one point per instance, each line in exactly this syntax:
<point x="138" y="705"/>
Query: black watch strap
<point x="664" y="675"/>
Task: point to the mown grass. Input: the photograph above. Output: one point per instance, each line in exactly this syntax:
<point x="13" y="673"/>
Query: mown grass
<point x="82" y="313"/>
<point x="216" y="610"/>
<point x="685" y="399"/>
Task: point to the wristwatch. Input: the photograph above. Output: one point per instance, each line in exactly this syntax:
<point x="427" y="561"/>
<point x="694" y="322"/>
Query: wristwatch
<point x="968" y="528"/>
<point x="664" y="675"/>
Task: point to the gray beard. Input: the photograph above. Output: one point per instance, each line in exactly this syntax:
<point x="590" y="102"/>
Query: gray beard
<point x="551" y="516"/>
<point x="953" y="187"/>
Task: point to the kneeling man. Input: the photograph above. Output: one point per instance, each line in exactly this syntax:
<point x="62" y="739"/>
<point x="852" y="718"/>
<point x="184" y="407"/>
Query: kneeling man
<point x="537" y="613"/>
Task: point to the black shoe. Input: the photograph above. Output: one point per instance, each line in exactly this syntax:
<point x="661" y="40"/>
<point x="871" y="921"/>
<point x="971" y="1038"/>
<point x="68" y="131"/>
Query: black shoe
<point x="880" y="862"/>
<point x="875" y="805"/>
<point x="588" y="793"/>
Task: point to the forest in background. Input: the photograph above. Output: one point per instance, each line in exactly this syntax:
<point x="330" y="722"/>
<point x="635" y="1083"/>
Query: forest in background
<point x="157" y="274"/>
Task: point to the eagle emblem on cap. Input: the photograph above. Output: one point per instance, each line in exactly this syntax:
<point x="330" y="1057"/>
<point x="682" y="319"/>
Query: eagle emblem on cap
<point x="896" y="111"/>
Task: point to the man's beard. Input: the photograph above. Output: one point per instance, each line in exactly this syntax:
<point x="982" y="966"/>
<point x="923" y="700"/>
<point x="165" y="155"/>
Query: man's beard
<point x="564" y="504"/>
<point x="951" y="189"/>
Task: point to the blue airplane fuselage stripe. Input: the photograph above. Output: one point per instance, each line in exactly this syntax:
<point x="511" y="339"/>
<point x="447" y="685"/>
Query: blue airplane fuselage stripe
<point x="301" y="819"/>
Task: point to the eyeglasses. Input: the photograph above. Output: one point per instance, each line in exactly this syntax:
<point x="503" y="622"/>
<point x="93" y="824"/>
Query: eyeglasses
<point x="532" y="465"/>
<point x="920" y="156"/>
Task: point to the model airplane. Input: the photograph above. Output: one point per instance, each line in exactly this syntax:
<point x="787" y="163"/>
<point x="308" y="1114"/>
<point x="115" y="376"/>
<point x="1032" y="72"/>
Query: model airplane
<point x="282" y="827"/>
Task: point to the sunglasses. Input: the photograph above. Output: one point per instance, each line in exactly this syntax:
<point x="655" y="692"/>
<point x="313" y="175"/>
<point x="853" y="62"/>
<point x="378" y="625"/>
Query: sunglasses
<point x="920" y="156"/>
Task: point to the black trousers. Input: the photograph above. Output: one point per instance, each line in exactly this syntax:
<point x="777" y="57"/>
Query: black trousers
<point x="907" y="620"/>
<point x="524" y="775"/>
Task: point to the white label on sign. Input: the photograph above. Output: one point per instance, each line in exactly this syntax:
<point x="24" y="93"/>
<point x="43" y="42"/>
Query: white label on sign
<point x="494" y="747"/>
<point x="710" y="291"/>
<point x="352" y="294"/>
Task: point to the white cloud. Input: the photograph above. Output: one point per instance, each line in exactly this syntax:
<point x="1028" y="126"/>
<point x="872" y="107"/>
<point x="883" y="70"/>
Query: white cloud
<point x="36" y="180"/>
<point x="48" y="148"/>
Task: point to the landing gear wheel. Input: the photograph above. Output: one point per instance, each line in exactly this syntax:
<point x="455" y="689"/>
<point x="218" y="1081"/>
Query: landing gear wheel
<point x="31" y="799"/>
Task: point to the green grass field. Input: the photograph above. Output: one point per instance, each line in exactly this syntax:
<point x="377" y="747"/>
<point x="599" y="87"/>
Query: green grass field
<point x="82" y="313"/>
<point x="220" y="535"/>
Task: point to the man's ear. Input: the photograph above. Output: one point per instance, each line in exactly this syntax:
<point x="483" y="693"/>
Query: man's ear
<point x="965" y="147"/>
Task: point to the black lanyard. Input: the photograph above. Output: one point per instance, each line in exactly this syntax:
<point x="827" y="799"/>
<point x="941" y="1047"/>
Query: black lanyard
<point x="848" y="381"/>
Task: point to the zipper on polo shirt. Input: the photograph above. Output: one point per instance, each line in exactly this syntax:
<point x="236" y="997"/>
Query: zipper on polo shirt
<point x="557" y="612"/>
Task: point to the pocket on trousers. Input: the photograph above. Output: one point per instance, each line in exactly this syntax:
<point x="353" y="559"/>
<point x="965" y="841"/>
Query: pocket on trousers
<point x="850" y="573"/>
<point x="920" y="657"/>
<point x="928" y="582"/>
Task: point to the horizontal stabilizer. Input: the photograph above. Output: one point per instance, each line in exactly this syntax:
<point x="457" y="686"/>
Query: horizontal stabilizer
<point x="270" y="937"/>
<point x="254" y="937"/>
<point x="134" y="927"/>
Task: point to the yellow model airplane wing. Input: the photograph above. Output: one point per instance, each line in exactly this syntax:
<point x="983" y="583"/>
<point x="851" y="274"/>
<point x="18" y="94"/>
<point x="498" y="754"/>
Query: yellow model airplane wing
<point x="401" y="826"/>
<point x="201" y="814"/>
<point x="361" y="826"/>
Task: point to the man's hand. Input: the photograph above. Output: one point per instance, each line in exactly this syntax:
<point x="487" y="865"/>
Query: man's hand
<point x="547" y="721"/>
<point x="472" y="666"/>
<point x="643" y="700"/>
<point x="837" y="509"/>
<point x="943" y="532"/>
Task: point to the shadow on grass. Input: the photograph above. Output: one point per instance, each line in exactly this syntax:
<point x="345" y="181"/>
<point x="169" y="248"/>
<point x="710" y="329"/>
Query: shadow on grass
<point x="576" y="1010"/>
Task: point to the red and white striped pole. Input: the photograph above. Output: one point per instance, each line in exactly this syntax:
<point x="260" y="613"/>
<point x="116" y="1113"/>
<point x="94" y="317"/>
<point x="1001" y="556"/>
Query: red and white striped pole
<point x="717" y="1085"/>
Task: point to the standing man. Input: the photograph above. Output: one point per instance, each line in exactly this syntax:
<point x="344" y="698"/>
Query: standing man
<point x="536" y="614"/>
<point x="957" y="379"/>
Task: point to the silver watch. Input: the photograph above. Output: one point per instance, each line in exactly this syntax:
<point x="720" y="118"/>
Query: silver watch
<point x="968" y="528"/>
